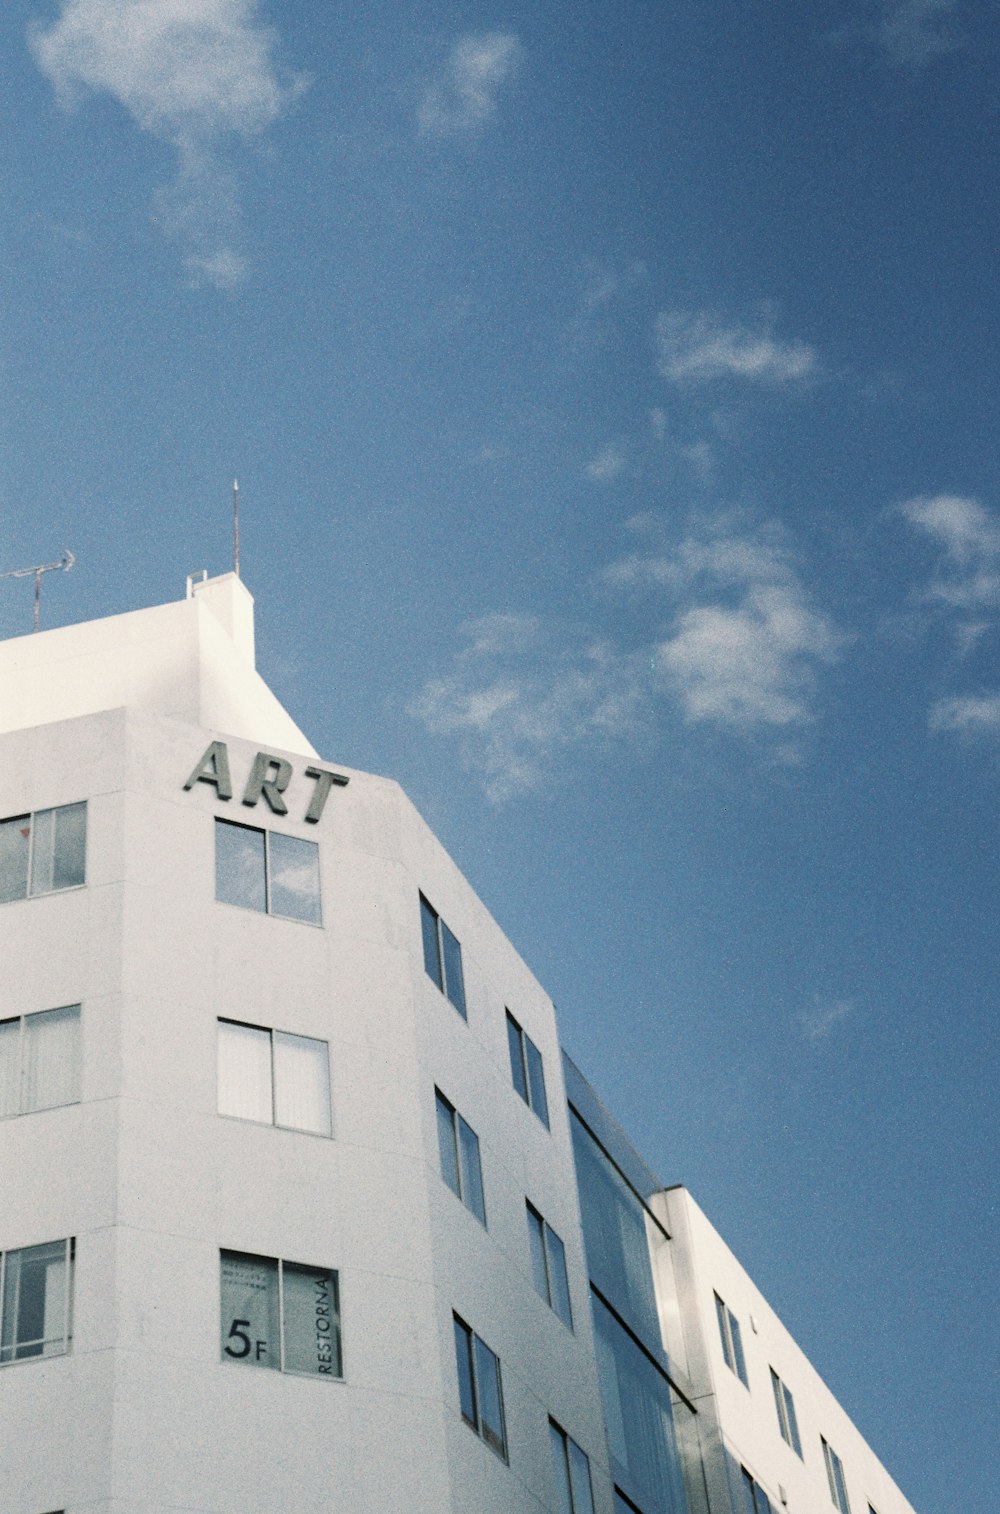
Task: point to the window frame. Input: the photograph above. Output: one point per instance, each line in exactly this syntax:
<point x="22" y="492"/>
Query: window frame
<point x="732" y="1340"/>
<point x="32" y="817"/>
<point x="21" y="1021"/>
<point x="273" y="1123"/>
<point x="452" y="985"/>
<point x="17" y="1345"/>
<point x="229" y="1358"/>
<point x="568" y="1489"/>
<point x="466" y="1190"/>
<point x="539" y="1226"/>
<point x="475" y="1350"/>
<point x="788" y="1422"/>
<point x="267" y="833"/>
<point x="835" y="1477"/>
<point x="523" y="1067"/>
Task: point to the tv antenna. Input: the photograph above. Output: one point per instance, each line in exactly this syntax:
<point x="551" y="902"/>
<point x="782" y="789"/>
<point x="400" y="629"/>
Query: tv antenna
<point x="236" y="527"/>
<point x="65" y="562"/>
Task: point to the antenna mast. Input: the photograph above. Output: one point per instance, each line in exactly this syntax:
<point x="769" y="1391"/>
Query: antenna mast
<point x="236" y="527"/>
<point x="65" y="562"/>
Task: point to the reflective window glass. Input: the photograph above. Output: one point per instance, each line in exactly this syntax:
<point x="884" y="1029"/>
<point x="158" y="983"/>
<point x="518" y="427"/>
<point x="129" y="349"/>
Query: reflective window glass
<point x="479" y="1388"/>
<point x="526" y="1070"/>
<point x="458" y="1148"/>
<point x="294" y="877"/>
<point x="239" y="866"/>
<point x="44" y="852"/>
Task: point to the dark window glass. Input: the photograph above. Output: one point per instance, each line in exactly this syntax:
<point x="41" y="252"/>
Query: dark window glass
<point x="429" y="930"/>
<point x="526" y="1070"/>
<point x="466" y="1377"/>
<point x="454" y="981"/>
<point x="732" y="1340"/>
<point x="548" y="1265"/>
<point x="516" y="1050"/>
<point x="785" y="1407"/>
<point x="442" y="956"/>
<point x="480" y="1394"/>
<point x="458" y="1146"/>
<point x="572" y="1474"/>
<point x="69" y="847"/>
<point x="536" y="1080"/>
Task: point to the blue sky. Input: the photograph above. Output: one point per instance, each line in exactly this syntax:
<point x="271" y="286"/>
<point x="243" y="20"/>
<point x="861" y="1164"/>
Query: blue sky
<point x="612" y="394"/>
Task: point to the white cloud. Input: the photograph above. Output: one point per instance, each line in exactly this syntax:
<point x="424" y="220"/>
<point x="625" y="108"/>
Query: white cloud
<point x="970" y="713"/>
<point x="740" y="650"/>
<point x="913" y="32"/>
<point x="968" y="536"/>
<point x="699" y="346"/>
<point x="821" y="1020"/>
<point x="609" y="464"/>
<point x="197" y="74"/>
<point x="464" y="95"/>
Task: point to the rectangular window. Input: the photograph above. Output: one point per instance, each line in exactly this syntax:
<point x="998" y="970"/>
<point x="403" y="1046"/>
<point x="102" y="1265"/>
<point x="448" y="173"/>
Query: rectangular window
<point x="44" y="852"/>
<point x="280" y="1315"/>
<point x="835" y="1477"/>
<point x="526" y="1069"/>
<point x="40" y="1061"/>
<point x="480" y="1393"/>
<point x="458" y="1146"/>
<point x="784" y="1403"/>
<point x="267" y="871"/>
<point x="732" y="1341"/>
<point x="755" y="1500"/>
<point x="442" y="956"/>
<point x="274" y="1078"/>
<point x="574" y="1494"/>
<point x="548" y="1265"/>
<point x="36" y="1301"/>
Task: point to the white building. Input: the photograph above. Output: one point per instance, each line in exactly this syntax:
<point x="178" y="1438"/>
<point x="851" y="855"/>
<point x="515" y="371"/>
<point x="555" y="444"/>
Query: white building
<point x="289" y="1208"/>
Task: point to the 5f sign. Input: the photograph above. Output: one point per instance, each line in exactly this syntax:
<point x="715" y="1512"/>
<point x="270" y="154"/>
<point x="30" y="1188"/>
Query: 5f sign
<point x="268" y="780"/>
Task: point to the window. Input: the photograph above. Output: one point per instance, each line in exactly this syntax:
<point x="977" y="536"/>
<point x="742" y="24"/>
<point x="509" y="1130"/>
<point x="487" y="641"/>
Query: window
<point x="280" y="1315"/>
<point x="442" y="956"/>
<point x="548" y="1265"/>
<point x="40" y="1061"/>
<point x="43" y="852"/>
<point x="526" y="1069"/>
<point x="732" y="1341"/>
<point x="647" y="1422"/>
<point x="835" y="1477"/>
<point x="480" y="1394"/>
<point x="785" y="1405"/>
<point x="35" y="1301"/>
<point x="755" y="1500"/>
<point x="572" y="1472"/>
<point x="458" y="1145"/>
<point x="267" y="871"/>
<point x="274" y="1078"/>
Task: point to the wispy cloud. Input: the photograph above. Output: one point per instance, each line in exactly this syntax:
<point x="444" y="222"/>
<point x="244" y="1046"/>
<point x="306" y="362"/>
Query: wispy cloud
<point x="464" y="95"/>
<point x="525" y="689"/>
<point x="968" y="537"/>
<point x="912" y="33"/>
<point x="972" y="714"/>
<point x="609" y="464"/>
<point x="696" y="347"/>
<point x="199" y="75"/>
<point x="731" y="640"/>
<point x="819" y="1022"/>
<point x="745" y="650"/>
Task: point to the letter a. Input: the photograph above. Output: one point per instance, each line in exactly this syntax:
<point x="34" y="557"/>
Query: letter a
<point x="213" y="768"/>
